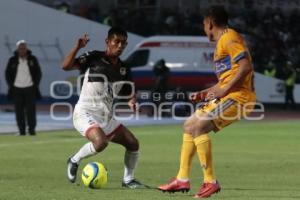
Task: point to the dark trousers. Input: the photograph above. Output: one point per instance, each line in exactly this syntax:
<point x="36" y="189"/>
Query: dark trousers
<point x="289" y="96"/>
<point x="24" y="100"/>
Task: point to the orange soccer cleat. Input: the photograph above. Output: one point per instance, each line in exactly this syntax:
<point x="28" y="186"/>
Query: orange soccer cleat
<point x="207" y="189"/>
<point x="175" y="185"/>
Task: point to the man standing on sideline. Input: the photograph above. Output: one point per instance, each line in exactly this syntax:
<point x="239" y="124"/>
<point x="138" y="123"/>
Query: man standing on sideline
<point x="104" y="78"/>
<point x="23" y="76"/>
<point x="232" y="98"/>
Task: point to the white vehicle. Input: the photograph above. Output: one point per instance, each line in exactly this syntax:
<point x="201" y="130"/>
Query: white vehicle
<point x="189" y="59"/>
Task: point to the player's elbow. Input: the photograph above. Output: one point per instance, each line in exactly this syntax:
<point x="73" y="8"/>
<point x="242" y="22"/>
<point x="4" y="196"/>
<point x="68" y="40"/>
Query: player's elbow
<point x="246" y="69"/>
<point x="66" y="66"/>
<point x="245" y="66"/>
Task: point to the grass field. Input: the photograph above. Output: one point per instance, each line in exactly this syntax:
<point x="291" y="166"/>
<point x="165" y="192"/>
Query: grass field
<point x="253" y="160"/>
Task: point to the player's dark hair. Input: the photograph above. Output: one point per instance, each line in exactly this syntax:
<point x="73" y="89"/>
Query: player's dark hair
<point x="116" y="31"/>
<point x="218" y="15"/>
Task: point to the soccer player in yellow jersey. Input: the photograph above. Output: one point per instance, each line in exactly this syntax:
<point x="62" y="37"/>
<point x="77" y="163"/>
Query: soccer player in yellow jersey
<point x="232" y="98"/>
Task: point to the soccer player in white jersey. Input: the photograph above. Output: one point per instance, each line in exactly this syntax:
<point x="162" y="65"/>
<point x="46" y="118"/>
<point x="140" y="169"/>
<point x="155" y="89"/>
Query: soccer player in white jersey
<point x="93" y="114"/>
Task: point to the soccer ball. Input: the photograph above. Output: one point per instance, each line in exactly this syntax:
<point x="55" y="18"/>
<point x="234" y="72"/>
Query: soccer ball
<point x="94" y="175"/>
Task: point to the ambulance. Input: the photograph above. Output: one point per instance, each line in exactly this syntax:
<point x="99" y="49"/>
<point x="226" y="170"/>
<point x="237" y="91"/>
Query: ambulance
<point x="189" y="59"/>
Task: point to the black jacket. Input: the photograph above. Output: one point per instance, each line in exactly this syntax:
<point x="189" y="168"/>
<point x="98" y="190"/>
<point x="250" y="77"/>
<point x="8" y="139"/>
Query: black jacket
<point x="34" y="69"/>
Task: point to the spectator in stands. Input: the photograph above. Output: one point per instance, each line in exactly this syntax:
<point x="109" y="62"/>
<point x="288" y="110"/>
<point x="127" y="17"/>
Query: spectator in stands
<point x="94" y="12"/>
<point x="274" y="29"/>
<point x="110" y="20"/>
<point x="270" y="69"/>
<point x="23" y="75"/>
<point x="62" y="6"/>
<point x="290" y="79"/>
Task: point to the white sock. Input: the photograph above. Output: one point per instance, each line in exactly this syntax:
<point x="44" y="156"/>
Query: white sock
<point x="86" y="150"/>
<point x="130" y="161"/>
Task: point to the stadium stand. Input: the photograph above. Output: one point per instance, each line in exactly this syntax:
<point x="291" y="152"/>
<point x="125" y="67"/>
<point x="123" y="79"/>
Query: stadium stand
<point x="269" y="28"/>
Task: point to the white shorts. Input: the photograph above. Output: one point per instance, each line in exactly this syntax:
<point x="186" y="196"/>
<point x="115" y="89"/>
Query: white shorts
<point x="84" y="120"/>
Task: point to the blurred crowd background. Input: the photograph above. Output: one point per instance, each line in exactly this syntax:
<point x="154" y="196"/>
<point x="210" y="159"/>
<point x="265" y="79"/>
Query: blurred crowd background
<point x="271" y="31"/>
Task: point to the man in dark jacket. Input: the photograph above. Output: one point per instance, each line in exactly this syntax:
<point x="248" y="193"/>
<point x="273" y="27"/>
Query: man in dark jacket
<point x="23" y="75"/>
<point x="161" y="73"/>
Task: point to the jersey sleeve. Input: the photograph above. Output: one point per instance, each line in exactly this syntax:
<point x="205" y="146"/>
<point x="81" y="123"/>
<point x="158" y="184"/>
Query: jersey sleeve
<point x="83" y="59"/>
<point x="236" y="49"/>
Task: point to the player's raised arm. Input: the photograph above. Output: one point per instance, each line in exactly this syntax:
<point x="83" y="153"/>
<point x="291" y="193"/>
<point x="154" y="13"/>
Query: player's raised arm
<point x="69" y="61"/>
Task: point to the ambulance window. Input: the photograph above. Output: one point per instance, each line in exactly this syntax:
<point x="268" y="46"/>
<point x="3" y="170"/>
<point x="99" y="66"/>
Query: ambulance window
<point x="138" y="58"/>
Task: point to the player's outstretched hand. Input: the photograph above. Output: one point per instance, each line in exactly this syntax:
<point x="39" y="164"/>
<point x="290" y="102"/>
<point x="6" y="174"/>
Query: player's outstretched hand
<point x="216" y="92"/>
<point x="82" y="41"/>
<point x="132" y="104"/>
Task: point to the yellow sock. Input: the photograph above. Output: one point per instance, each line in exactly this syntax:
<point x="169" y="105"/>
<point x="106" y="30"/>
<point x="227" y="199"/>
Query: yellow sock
<point x="204" y="151"/>
<point x="188" y="150"/>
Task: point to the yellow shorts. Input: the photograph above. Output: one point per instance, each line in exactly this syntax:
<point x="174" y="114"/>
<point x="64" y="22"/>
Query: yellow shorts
<point x="233" y="107"/>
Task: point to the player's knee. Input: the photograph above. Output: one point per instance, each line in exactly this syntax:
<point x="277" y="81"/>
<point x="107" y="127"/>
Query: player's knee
<point x="194" y="129"/>
<point x="185" y="126"/>
<point x="100" y="144"/>
<point x="133" y="145"/>
<point x="188" y="127"/>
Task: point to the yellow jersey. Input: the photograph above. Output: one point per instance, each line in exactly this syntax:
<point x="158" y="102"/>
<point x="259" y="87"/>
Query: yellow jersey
<point x="231" y="48"/>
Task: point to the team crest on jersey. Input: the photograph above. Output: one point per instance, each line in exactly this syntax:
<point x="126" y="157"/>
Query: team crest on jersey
<point x="123" y="71"/>
<point x="82" y="59"/>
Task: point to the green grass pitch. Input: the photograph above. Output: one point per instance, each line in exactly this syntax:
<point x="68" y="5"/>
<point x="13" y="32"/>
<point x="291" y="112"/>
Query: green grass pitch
<point x="253" y="160"/>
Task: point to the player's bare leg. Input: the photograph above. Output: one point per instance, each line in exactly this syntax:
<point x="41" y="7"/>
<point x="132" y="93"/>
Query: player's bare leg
<point x="131" y="144"/>
<point x="200" y="125"/>
<point x="98" y="142"/>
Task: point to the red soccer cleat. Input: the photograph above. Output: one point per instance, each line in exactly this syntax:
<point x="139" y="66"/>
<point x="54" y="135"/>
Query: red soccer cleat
<point x="175" y="185"/>
<point x="207" y="189"/>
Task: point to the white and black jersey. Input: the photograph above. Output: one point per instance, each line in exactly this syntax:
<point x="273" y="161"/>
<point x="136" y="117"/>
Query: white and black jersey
<point x="102" y="82"/>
